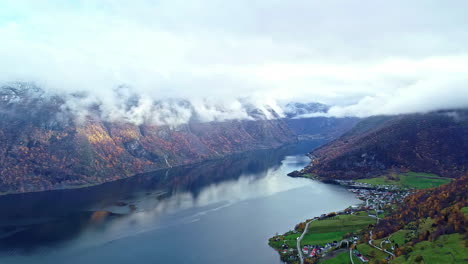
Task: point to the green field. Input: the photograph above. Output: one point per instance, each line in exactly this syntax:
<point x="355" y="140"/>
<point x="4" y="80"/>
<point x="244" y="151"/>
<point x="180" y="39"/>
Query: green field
<point x="309" y="176"/>
<point x="342" y="258"/>
<point x="322" y="231"/>
<point x="347" y="223"/>
<point x="465" y="210"/>
<point x="361" y="213"/>
<point x="370" y="252"/>
<point x="321" y="238"/>
<point x="400" y="236"/>
<point x="290" y="240"/>
<point x="408" y="180"/>
<point x="446" y="249"/>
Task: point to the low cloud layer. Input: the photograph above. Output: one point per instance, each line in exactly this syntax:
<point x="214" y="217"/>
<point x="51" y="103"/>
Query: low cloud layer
<point x="361" y="57"/>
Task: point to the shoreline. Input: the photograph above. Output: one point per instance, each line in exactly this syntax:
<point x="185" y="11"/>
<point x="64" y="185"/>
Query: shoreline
<point x="89" y="185"/>
<point x="288" y="255"/>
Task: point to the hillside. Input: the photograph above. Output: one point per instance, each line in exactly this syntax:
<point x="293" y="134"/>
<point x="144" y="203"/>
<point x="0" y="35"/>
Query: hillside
<point x="429" y="228"/>
<point x="433" y="143"/>
<point x="44" y="147"/>
<point x="442" y="204"/>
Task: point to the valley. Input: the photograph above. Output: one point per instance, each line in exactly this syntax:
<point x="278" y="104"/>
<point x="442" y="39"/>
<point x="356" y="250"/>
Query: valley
<point x="357" y="229"/>
<point x="233" y="132"/>
<point x="405" y="216"/>
<point x="46" y="146"/>
<point x="218" y="208"/>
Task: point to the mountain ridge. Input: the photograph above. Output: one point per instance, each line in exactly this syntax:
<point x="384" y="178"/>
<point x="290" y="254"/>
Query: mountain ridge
<point x="46" y="144"/>
<point x="433" y="142"/>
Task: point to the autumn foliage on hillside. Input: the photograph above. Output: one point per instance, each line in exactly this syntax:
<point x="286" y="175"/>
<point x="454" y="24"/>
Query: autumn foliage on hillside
<point x="44" y="148"/>
<point x="433" y="143"/>
<point x="443" y="204"/>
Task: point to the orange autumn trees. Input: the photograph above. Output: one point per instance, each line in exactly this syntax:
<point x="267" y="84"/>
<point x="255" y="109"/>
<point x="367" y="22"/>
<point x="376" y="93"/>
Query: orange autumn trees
<point x="443" y="204"/>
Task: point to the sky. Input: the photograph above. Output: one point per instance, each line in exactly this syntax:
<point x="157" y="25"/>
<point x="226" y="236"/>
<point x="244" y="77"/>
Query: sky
<point x="363" y="57"/>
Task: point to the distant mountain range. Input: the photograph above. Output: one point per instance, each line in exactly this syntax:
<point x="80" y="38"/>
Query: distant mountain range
<point x="45" y="143"/>
<point x="435" y="142"/>
<point x="295" y="110"/>
<point x="298" y="116"/>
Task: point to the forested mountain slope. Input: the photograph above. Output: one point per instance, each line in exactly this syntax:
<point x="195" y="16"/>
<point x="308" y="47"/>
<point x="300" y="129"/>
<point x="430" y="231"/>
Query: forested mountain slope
<point x="44" y="147"/>
<point x="434" y="142"/>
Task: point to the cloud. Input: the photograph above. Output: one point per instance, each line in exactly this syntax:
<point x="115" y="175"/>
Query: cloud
<point x="361" y="57"/>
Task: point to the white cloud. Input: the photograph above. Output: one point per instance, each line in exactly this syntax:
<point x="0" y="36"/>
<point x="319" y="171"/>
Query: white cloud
<point x="365" y="57"/>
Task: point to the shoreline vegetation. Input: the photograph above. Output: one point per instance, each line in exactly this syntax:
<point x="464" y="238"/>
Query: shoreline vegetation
<point x="347" y="236"/>
<point x="162" y="169"/>
<point x="407" y="180"/>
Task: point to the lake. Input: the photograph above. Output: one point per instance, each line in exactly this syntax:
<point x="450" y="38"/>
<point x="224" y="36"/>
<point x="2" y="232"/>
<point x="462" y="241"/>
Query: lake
<point x="220" y="211"/>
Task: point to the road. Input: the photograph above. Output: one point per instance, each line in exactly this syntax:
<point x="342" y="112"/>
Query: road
<point x="301" y="258"/>
<point x="379" y="248"/>
<point x="351" y="255"/>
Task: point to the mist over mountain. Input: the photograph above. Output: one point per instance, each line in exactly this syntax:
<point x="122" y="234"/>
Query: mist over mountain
<point x="281" y="52"/>
<point x="127" y="106"/>
<point x="298" y="110"/>
<point x="56" y="140"/>
<point x="190" y="115"/>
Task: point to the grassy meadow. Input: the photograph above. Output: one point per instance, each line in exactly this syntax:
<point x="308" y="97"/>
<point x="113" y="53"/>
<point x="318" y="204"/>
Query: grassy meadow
<point x="414" y="180"/>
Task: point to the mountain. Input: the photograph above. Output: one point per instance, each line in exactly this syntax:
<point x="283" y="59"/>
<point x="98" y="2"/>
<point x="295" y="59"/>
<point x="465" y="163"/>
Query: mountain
<point x="435" y="142"/>
<point x="54" y="141"/>
<point x="296" y="116"/>
<point x="326" y="128"/>
<point x="43" y="146"/>
<point x="294" y="109"/>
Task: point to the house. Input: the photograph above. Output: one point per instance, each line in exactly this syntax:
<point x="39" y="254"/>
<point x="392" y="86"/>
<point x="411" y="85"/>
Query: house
<point x="363" y="259"/>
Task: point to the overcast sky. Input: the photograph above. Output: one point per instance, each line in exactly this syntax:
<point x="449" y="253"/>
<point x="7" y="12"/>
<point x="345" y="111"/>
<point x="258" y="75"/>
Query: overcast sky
<point x="365" y="57"/>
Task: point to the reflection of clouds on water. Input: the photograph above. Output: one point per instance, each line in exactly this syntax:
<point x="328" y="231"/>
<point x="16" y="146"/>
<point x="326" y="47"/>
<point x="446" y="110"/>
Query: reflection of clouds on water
<point x="216" y="204"/>
<point x="185" y="208"/>
<point x="252" y="185"/>
<point x="300" y="160"/>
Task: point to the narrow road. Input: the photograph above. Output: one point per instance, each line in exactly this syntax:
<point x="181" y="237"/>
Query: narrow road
<point x="370" y="242"/>
<point x="381" y="249"/>
<point x="351" y="255"/>
<point x="301" y="258"/>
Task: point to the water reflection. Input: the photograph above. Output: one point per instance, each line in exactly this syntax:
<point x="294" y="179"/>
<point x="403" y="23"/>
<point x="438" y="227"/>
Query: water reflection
<point x="36" y="222"/>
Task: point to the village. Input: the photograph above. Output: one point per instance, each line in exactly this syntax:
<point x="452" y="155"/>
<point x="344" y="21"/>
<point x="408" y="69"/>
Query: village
<point x="377" y="201"/>
<point x="361" y="185"/>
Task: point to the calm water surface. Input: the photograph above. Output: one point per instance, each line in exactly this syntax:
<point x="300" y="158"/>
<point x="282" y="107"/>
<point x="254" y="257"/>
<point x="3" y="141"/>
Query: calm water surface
<point x="216" y="212"/>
